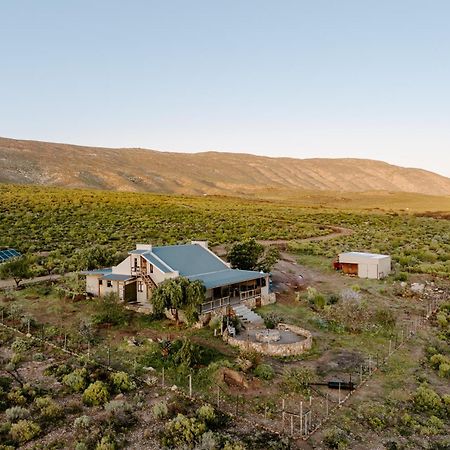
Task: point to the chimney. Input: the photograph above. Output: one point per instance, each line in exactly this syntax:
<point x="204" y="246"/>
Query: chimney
<point x="202" y="243"/>
<point x="144" y="247"/>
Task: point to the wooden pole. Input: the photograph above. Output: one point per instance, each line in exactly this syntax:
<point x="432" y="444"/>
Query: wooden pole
<point x="237" y="400"/>
<point x="28" y="326"/>
<point x="292" y="425"/>
<point x="65" y="341"/>
<point x="326" y="406"/>
<point x="109" y="355"/>
<point x="390" y="347"/>
<point x="339" y="392"/>
<point x="301" y="417"/>
<point x="282" y="411"/>
<point x="218" y="396"/>
<point x="190" y="385"/>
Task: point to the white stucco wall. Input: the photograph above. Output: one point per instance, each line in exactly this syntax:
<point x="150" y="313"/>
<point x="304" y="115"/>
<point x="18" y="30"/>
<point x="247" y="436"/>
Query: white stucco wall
<point x="92" y="284"/>
<point x="124" y="268"/>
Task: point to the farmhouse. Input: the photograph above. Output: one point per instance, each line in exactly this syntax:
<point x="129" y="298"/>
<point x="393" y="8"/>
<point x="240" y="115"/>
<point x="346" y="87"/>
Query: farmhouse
<point x="365" y="265"/>
<point x="134" y="279"/>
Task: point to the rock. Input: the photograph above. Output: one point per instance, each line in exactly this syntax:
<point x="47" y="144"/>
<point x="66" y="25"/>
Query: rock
<point x="232" y="377"/>
<point x="149" y="369"/>
<point x="174" y="388"/>
<point x="417" y="287"/>
<point x="119" y="396"/>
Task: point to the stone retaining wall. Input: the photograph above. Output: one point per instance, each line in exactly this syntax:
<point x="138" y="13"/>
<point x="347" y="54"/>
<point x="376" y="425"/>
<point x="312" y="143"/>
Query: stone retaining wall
<point x="273" y="349"/>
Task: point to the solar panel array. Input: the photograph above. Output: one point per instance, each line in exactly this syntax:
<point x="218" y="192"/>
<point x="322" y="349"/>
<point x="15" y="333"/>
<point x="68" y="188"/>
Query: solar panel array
<point x="8" y="254"/>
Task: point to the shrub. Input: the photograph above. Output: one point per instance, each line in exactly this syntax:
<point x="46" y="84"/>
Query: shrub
<point x="76" y="380"/>
<point x="426" y="400"/>
<point x="401" y="276"/>
<point x="298" y="379"/>
<point x="264" y="371"/>
<point x="160" y="410"/>
<point x="207" y="414"/>
<point x="106" y="443"/>
<point x="82" y="423"/>
<point x="121" y="382"/>
<point x="96" y="394"/>
<point x="24" y="431"/>
<point x="182" y="431"/>
<point x="336" y="438"/>
<point x="444" y="370"/>
<point x="110" y="311"/>
<point x="120" y="413"/>
<point x="21" y="345"/>
<point x="48" y="408"/>
<point x="271" y="320"/>
<point x="16" y="413"/>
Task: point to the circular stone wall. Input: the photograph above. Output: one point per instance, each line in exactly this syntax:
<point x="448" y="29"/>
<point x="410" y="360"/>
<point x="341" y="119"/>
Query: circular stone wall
<point x="292" y="341"/>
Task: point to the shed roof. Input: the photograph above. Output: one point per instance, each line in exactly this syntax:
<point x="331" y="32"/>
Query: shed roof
<point x="189" y="259"/>
<point x="226" y="277"/>
<point x="362" y="255"/>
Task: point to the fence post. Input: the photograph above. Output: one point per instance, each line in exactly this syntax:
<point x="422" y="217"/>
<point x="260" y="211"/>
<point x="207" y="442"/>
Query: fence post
<point x="326" y="406"/>
<point x="301" y="417"/>
<point x="190" y="385"/>
<point x="339" y="393"/>
<point x="109" y="356"/>
<point x="163" y="377"/>
<point x="218" y="397"/>
<point x="282" y="411"/>
<point x="292" y="425"/>
<point x="65" y="341"/>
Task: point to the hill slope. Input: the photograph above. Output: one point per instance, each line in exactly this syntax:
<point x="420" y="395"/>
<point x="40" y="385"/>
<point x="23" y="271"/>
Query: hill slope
<point x="33" y="162"/>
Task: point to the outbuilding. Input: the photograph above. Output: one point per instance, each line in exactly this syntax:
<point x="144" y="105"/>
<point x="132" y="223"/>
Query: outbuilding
<point x="365" y="265"/>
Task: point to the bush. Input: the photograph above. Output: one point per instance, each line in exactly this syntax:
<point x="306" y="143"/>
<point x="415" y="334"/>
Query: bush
<point x="121" y="382"/>
<point x="336" y="438"/>
<point x="120" y="413"/>
<point x="271" y="320"/>
<point x="76" y="380"/>
<point x="48" y="408"/>
<point x="96" y="394"/>
<point x="16" y="413"/>
<point x="110" y="311"/>
<point x="426" y="400"/>
<point x="106" y="443"/>
<point x="21" y="345"/>
<point x="264" y="371"/>
<point x="207" y="414"/>
<point x="182" y="432"/>
<point x="160" y="410"/>
<point x="82" y="423"/>
<point x="24" y="431"/>
<point x="298" y="379"/>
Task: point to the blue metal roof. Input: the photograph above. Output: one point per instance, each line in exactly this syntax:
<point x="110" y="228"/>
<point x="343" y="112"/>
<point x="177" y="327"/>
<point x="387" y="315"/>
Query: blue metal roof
<point x="96" y="271"/>
<point x="226" y="277"/>
<point x="8" y="254"/>
<point x="116" y="277"/>
<point x="152" y="259"/>
<point x="189" y="259"/>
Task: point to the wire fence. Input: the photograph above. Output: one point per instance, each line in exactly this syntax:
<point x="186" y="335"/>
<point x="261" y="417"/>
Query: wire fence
<point x="292" y="415"/>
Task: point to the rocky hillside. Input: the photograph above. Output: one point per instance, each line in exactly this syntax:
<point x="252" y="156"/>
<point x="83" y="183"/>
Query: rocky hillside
<point x="43" y="163"/>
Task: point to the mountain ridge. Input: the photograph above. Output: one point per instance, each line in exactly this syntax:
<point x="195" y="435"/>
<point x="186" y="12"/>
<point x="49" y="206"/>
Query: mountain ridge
<point x="210" y="172"/>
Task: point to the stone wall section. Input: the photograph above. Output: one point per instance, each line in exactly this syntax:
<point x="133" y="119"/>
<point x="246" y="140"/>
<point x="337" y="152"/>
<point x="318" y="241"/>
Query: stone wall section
<point x="273" y="349"/>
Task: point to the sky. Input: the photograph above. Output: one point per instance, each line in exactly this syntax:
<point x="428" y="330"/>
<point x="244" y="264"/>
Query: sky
<point x="304" y="79"/>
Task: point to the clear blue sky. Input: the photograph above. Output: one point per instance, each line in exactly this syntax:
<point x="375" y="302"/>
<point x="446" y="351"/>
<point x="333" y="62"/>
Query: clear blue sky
<point x="316" y="78"/>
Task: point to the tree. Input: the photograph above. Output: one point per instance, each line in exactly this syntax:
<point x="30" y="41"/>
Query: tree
<point x="179" y="294"/>
<point x="250" y="255"/>
<point x="17" y="268"/>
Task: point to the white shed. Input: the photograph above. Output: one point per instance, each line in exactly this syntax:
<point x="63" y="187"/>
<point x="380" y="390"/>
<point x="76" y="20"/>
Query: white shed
<point x="365" y="265"/>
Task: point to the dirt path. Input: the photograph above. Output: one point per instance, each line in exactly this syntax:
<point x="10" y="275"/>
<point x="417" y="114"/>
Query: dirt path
<point x="8" y="284"/>
<point x="337" y="232"/>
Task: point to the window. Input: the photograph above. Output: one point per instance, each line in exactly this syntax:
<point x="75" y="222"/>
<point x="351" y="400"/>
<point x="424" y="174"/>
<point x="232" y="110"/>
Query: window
<point x="140" y="286"/>
<point x="109" y="283"/>
<point x="135" y="263"/>
<point x="151" y="268"/>
<point x="100" y="282"/>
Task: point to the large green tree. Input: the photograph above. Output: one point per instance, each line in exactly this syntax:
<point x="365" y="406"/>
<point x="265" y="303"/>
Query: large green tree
<point x="250" y="255"/>
<point x="18" y="269"/>
<point x="179" y="294"/>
